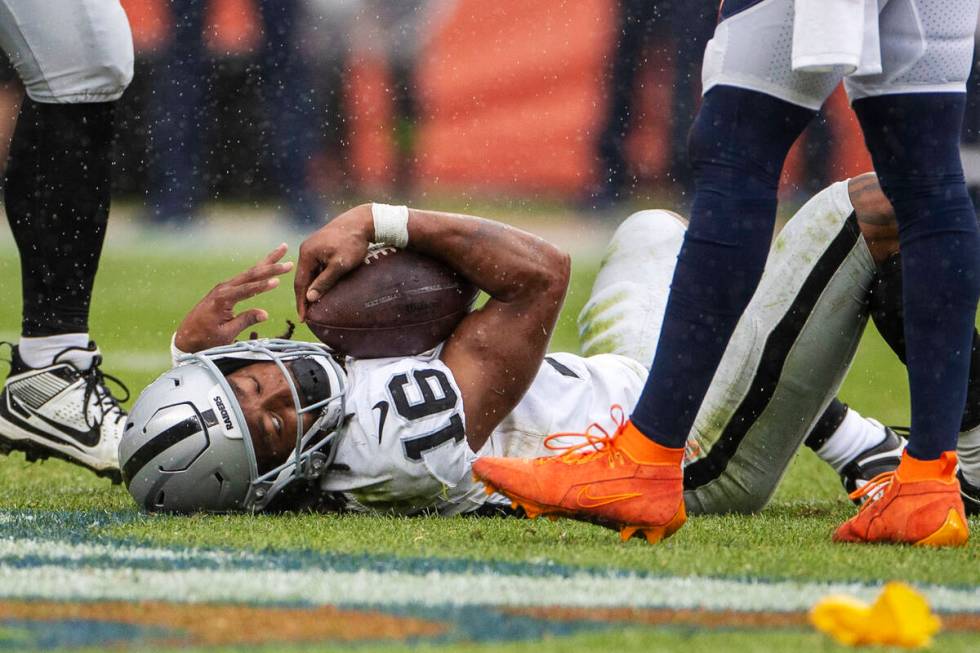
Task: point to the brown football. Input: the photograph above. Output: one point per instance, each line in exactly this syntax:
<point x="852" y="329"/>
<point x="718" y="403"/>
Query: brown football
<point x="398" y="303"/>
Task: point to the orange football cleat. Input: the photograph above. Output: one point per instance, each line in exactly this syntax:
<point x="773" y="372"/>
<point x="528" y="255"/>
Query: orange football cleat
<point x="622" y="481"/>
<point x="919" y="503"/>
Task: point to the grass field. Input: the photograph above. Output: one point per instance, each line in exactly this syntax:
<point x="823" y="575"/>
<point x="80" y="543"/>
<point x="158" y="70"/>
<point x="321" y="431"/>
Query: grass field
<point x="70" y="541"/>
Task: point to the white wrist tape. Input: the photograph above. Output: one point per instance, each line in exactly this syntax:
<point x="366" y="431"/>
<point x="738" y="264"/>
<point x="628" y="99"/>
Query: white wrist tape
<point x="390" y="224"/>
<point x="175" y="351"/>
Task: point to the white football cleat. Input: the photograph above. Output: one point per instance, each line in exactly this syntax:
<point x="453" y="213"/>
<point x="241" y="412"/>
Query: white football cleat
<point x="63" y="411"/>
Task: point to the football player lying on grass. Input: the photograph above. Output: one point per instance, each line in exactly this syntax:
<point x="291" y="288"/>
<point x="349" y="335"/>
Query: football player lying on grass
<point x="276" y="424"/>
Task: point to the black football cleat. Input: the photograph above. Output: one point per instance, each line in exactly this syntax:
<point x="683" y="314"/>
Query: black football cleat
<point x="881" y="458"/>
<point x="970" y="494"/>
<point x="61" y="411"/>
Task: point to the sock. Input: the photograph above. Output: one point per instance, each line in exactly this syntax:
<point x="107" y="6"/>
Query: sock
<point x="827" y="425"/>
<point x="644" y="450"/>
<point x="57" y="201"/>
<point x="738" y="144"/>
<point x="968" y="452"/>
<point x="942" y="468"/>
<point x="854" y="436"/>
<point x="914" y="143"/>
<point x="41" y="352"/>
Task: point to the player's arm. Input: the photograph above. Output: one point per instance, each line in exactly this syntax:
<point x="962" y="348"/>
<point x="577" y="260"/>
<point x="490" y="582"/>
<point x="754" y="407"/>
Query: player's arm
<point x="213" y="321"/>
<point x="495" y="351"/>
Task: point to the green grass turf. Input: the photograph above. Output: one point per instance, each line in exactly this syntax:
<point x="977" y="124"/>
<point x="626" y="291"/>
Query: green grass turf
<point x="141" y="296"/>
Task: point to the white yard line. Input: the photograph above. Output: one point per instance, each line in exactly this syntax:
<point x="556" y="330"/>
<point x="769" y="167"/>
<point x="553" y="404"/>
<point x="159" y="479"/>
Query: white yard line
<point x="52" y="570"/>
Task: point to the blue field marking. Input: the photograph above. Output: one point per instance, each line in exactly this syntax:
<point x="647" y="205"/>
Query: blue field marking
<point x="68" y="557"/>
<point x="89" y="527"/>
<point x="22" y="635"/>
<point x="479" y="624"/>
<point x="462" y="625"/>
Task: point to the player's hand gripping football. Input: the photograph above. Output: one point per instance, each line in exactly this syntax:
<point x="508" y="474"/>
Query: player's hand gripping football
<point x="330" y="253"/>
<point x="213" y="322"/>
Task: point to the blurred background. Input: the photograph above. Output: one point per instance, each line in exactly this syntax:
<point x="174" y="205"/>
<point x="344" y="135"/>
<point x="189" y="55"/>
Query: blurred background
<point x="249" y="122"/>
<point x="302" y="107"/>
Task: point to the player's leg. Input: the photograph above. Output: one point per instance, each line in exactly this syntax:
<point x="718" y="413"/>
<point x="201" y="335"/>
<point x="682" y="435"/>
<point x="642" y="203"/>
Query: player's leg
<point x="786" y="359"/>
<point x="625" y="310"/>
<point x="737" y="161"/>
<point x="748" y="120"/>
<point x="738" y="144"/>
<point x="75" y="60"/>
<point x="911" y="115"/>
<point x="626" y="306"/>
<point x="857" y="448"/>
<point x="888" y="315"/>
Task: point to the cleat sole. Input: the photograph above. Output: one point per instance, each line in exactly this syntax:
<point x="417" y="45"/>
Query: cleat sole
<point x="532" y="510"/>
<point x="654" y="534"/>
<point x="34" y="453"/>
<point x="953" y="532"/>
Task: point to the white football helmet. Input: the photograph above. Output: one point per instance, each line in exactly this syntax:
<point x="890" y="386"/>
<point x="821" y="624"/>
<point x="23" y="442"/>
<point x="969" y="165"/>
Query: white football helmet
<point x="187" y="446"/>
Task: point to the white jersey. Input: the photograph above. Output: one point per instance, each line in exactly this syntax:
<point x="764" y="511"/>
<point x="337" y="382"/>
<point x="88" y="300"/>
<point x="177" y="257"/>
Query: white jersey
<point x="403" y="446"/>
<point x="925" y="46"/>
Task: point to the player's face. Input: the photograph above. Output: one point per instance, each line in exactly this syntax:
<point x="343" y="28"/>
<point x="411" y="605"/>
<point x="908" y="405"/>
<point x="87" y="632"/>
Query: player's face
<point x="267" y="403"/>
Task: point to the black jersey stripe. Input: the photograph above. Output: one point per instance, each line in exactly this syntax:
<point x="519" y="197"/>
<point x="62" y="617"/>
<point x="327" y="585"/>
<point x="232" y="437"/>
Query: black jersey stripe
<point x="778" y="345"/>
<point x="561" y="369"/>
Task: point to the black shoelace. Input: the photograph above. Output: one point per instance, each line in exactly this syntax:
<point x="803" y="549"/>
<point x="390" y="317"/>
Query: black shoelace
<point x="95" y="384"/>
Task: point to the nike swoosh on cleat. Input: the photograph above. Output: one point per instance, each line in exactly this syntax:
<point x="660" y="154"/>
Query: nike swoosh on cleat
<point x="587" y="500"/>
<point x="88" y="438"/>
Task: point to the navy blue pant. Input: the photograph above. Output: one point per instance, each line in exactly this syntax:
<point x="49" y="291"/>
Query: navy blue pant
<point x="914" y="143"/>
<point x="738" y="145"/>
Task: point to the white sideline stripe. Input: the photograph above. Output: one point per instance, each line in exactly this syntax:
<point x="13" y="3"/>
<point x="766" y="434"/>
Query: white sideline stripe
<point x="11" y="548"/>
<point x="398" y="588"/>
<point x="434" y="589"/>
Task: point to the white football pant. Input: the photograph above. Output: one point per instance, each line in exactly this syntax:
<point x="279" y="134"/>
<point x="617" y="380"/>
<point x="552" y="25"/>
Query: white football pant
<point x="68" y="51"/>
<point x="787" y="357"/>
